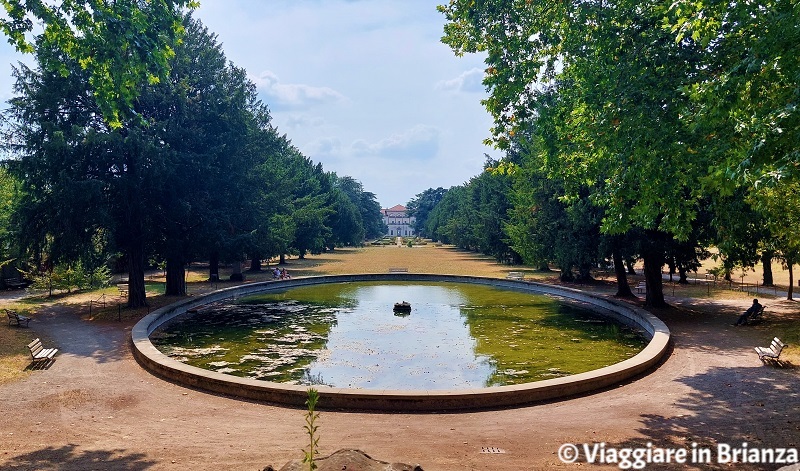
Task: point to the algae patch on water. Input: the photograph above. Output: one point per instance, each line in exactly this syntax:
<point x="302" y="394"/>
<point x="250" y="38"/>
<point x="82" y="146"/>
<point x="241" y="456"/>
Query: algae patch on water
<point x="346" y="335"/>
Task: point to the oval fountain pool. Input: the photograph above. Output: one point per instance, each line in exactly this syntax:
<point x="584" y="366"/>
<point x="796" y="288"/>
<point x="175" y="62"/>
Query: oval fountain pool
<point x="469" y="342"/>
<point x="456" y="336"/>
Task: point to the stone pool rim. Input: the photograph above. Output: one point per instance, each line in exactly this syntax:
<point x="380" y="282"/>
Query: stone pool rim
<point x="405" y="400"/>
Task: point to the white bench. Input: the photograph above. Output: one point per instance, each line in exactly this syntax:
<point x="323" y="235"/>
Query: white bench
<point x="39" y="353"/>
<point x="515" y="275"/>
<point x="641" y="288"/>
<point x="771" y="353"/>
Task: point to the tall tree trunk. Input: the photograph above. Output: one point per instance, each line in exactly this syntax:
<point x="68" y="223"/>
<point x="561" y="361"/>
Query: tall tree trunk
<point x="282" y="260"/>
<point x="766" y="262"/>
<point x="237" y="271"/>
<point x="255" y="262"/>
<point x="176" y="277"/>
<point x="629" y="264"/>
<point x="623" y="290"/>
<point x="791" y="281"/>
<point x="213" y="266"/>
<point x="584" y="274"/>
<point x="653" y="255"/>
<point x="132" y="228"/>
<point x="136" y="292"/>
<point x="682" y="275"/>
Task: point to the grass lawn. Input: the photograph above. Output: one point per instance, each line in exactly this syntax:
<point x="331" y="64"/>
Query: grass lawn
<point x="108" y="305"/>
<point x="14" y="356"/>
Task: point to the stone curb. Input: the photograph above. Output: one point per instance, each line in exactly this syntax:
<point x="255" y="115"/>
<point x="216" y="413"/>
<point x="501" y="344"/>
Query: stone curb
<point x="406" y="401"/>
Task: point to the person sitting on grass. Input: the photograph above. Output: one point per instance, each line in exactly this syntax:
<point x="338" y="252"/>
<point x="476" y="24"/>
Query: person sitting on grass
<point x="749" y="312"/>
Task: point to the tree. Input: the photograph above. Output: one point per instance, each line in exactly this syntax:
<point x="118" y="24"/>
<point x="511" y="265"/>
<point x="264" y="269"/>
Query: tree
<point x="66" y="160"/>
<point x="490" y="195"/>
<point x="421" y="206"/>
<point x="311" y="209"/>
<point x="615" y="107"/>
<point x="472" y="216"/>
<point x="546" y="226"/>
<point x="368" y="207"/>
<point x="261" y="224"/>
<point x="161" y="184"/>
<point x="438" y="225"/>
<point x="119" y="44"/>
<point x="203" y="115"/>
<point x="780" y="206"/>
<point x="747" y="105"/>
<point x="371" y="215"/>
<point x="347" y="228"/>
<point x="8" y="245"/>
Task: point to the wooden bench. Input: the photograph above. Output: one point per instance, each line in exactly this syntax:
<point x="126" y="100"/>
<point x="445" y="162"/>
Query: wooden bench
<point x="123" y="290"/>
<point x="15" y="283"/>
<point x="39" y="354"/>
<point x="641" y="288"/>
<point x="515" y="275"/>
<point x="771" y="353"/>
<point x="398" y="270"/>
<point x="14" y="318"/>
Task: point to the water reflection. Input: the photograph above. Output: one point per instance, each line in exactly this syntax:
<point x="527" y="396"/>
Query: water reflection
<point x="346" y="335"/>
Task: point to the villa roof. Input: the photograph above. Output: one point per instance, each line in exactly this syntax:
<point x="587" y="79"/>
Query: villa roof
<point x="398" y="207"/>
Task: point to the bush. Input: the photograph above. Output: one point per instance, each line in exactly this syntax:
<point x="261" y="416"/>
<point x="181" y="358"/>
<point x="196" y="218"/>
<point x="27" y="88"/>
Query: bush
<point x="68" y="277"/>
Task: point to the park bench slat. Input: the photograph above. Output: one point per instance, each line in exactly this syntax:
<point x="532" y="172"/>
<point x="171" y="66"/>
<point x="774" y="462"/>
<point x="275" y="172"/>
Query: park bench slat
<point x="39" y="353"/>
<point x="773" y="352"/>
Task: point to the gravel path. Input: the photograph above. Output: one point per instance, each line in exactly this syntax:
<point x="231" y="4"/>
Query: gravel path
<point x="95" y="408"/>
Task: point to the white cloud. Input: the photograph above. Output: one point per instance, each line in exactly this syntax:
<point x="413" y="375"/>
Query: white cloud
<point x="419" y="142"/>
<point x="293" y="95"/>
<point x="326" y="147"/>
<point x="303" y="121"/>
<point x="470" y="81"/>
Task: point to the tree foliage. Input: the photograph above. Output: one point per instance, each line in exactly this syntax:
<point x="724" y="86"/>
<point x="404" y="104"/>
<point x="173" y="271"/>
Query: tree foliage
<point x="200" y="174"/>
<point x="119" y="44"/>
<point x="421" y="206"/>
<point x="653" y="107"/>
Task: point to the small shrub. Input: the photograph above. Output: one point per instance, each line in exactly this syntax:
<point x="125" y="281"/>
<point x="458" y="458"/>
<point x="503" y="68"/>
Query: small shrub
<point x="311" y="429"/>
<point x="64" y="277"/>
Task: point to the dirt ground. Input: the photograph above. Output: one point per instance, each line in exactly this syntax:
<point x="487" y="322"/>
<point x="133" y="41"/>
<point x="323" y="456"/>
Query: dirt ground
<point x="94" y="408"/>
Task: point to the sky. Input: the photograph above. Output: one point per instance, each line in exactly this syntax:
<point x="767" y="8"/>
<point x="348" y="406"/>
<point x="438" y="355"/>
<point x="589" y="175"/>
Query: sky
<point x="363" y="86"/>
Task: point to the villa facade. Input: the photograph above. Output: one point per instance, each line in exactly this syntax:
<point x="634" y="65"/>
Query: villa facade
<point x="398" y="221"/>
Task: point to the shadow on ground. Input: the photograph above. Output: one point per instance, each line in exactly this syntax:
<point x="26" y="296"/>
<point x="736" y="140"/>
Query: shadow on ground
<point x="69" y="458"/>
<point x="728" y="406"/>
<point x="62" y="327"/>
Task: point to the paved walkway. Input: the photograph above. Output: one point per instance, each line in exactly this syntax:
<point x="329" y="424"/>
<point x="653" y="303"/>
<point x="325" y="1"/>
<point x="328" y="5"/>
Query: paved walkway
<point x="95" y="408"/>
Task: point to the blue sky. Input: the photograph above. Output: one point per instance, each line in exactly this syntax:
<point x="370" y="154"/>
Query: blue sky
<point x="363" y="86"/>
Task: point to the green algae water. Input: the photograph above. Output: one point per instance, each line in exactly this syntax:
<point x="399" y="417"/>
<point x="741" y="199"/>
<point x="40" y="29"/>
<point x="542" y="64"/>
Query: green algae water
<point x="457" y="336"/>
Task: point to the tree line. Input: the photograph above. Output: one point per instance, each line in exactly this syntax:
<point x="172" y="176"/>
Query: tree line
<point x="186" y="167"/>
<point x="631" y="130"/>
